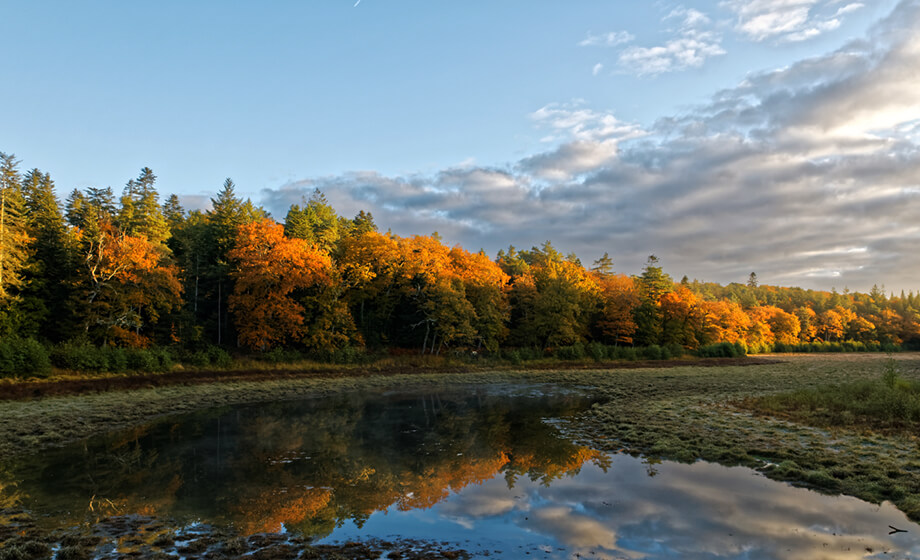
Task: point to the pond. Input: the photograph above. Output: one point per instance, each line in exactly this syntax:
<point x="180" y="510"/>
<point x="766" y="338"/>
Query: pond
<point x="488" y="470"/>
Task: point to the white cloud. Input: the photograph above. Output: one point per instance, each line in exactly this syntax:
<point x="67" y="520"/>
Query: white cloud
<point x="597" y="69"/>
<point x="787" y="20"/>
<point x="690" y="48"/>
<point x="689" y="51"/>
<point x="689" y="17"/>
<point x="611" y="39"/>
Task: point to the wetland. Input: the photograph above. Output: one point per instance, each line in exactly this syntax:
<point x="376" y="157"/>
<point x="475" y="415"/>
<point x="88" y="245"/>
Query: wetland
<point x="648" y="463"/>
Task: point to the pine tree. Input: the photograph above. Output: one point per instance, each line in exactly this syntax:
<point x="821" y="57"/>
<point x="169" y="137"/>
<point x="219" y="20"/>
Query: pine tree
<point x="603" y="266"/>
<point x="173" y="212"/>
<point x="75" y="208"/>
<point x="51" y="271"/>
<point x="14" y="240"/>
<point x="140" y="212"/>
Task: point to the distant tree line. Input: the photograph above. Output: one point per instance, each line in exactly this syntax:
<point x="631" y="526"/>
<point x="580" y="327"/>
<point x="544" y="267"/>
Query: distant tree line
<point x="129" y="271"/>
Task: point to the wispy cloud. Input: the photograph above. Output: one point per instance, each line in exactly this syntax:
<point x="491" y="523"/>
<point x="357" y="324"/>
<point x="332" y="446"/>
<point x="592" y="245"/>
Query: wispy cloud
<point x="784" y="174"/>
<point x="688" y="51"/>
<point x="597" y="69"/>
<point x="692" y="44"/>
<point x="611" y="39"/>
<point x="787" y="20"/>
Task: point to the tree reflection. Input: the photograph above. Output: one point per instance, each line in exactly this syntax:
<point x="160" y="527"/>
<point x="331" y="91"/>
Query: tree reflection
<point x="309" y="466"/>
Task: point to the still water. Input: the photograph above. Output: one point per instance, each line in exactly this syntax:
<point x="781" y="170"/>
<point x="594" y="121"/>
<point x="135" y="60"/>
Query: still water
<point x="489" y="470"/>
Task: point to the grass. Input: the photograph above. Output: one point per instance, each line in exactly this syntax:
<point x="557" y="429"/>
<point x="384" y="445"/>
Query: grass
<point x="683" y="413"/>
<point x="888" y="403"/>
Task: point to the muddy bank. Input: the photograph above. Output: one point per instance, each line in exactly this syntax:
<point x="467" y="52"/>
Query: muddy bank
<point x="22" y="390"/>
<point x="148" y="538"/>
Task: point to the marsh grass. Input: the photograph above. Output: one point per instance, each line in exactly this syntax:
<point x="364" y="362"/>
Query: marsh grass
<point x="886" y="403"/>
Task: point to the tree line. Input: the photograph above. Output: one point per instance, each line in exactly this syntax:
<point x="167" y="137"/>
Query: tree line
<point x="132" y="271"/>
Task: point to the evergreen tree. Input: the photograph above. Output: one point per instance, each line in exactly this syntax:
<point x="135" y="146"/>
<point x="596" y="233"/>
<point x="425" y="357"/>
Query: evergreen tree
<point x="652" y="283"/>
<point x="14" y="240"/>
<point x="173" y="212"/>
<point x="140" y="212"/>
<point x="316" y="223"/>
<point x="75" y="208"/>
<point x="228" y="212"/>
<point x="603" y="266"/>
<point x="51" y="271"/>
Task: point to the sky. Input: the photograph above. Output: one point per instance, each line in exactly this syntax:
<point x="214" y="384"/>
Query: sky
<point x="728" y="136"/>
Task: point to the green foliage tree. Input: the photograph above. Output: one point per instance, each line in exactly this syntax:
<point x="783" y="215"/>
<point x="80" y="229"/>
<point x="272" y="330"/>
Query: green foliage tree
<point x="652" y="284"/>
<point x="14" y="241"/>
<point x="51" y="272"/>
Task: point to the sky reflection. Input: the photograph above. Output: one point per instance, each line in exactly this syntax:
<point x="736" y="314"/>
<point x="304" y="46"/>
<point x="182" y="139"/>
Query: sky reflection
<point x="684" y="511"/>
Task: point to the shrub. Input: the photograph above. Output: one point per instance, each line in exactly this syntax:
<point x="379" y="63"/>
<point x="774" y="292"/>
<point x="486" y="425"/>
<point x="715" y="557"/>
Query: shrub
<point x="721" y="350"/>
<point x="79" y="356"/>
<point x="597" y="351"/>
<point x="512" y="356"/>
<point x="346" y="355"/>
<point x="652" y="352"/>
<point x="573" y="352"/>
<point x="219" y="357"/>
<point x="675" y="350"/>
<point x="23" y="357"/>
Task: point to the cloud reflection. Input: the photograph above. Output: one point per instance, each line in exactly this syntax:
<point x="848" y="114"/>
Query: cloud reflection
<point x="687" y="511"/>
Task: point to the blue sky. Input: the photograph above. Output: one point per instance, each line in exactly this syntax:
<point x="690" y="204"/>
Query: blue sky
<point x="723" y="136"/>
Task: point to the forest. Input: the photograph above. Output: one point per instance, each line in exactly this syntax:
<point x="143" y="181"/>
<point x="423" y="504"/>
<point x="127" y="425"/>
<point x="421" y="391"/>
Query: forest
<point x="102" y="271"/>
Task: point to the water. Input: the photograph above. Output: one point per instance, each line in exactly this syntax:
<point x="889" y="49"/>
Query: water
<point x="486" y="469"/>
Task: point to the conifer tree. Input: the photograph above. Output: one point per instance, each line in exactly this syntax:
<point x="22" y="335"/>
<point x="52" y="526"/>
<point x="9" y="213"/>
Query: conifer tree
<point x="51" y="267"/>
<point x="14" y="240"/>
<point x="140" y="212"/>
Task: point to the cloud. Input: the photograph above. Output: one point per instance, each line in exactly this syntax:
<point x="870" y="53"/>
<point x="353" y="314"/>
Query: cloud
<point x="610" y="39"/>
<point x="781" y="174"/>
<point x="597" y="69"/>
<point x="787" y="20"/>
<point x="689" y="51"/>
<point x="691" y="46"/>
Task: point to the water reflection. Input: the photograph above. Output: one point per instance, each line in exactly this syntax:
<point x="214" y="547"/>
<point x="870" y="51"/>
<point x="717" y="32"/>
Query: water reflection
<point x="485" y="468"/>
<point x="685" y="511"/>
<point x="309" y="466"/>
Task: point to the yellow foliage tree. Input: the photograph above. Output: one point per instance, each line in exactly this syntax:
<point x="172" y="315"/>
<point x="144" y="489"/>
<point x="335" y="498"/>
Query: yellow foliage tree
<point x="268" y="268"/>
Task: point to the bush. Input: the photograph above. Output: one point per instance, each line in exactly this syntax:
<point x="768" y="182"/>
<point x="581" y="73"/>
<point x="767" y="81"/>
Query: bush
<point x="512" y="356"/>
<point x="597" y="351"/>
<point x="140" y="359"/>
<point x="652" y="352"/>
<point x="573" y="352"/>
<point x="78" y="356"/>
<point x="22" y="357"/>
<point x="347" y="355"/>
<point x="721" y="350"/>
<point x="626" y="353"/>
<point x="675" y="350"/>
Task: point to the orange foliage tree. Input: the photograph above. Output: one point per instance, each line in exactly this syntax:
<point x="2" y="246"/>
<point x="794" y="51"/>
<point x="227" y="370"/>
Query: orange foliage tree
<point x="269" y="268"/>
<point x="128" y="282"/>
<point x="619" y="297"/>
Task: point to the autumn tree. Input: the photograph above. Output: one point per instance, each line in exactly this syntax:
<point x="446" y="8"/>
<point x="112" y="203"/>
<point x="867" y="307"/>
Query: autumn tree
<point x="268" y="268"/>
<point x="561" y="297"/>
<point x="619" y="298"/>
<point x="127" y="283"/>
